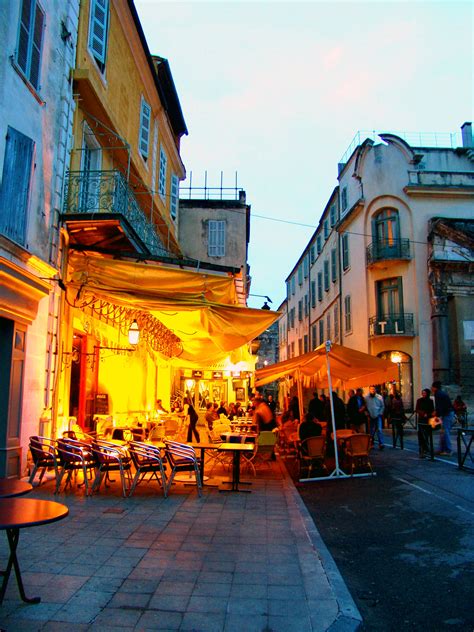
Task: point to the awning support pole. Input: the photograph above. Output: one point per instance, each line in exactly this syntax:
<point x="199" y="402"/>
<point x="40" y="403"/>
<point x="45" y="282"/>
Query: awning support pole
<point x="337" y="472"/>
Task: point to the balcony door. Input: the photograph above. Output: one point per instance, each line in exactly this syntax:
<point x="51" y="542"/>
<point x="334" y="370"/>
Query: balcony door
<point x="91" y="163"/>
<point x="386" y="234"/>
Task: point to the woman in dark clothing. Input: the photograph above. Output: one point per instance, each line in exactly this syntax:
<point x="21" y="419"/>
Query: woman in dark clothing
<point x="294" y="407"/>
<point x="193" y="419"/>
<point x="424" y="409"/>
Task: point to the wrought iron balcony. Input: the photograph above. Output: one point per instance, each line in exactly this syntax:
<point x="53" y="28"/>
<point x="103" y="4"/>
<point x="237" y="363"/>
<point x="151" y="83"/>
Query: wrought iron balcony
<point x="391" y="325"/>
<point x="105" y="194"/>
<point x="383" y="250"/>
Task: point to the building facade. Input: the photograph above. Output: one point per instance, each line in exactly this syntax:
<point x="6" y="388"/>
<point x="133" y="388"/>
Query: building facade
<point x="38" y="44"/>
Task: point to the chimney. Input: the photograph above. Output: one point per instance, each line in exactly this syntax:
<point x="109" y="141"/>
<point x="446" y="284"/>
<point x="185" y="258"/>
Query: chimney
<point x="466" y="133"/>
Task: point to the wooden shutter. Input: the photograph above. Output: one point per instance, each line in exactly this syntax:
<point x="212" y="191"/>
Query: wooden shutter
<point x="212" y="238"/>
<point x="99" y="19"/>
<point x="174" y="196"/>
<point x="221" y="239"/>
<point x="36" y="43"/>
<point x="145" y="116"/>
<point x="345" y="251"/>
<point x="24" y="35"/>
<point x="15" y="190"/>
<point x="162" y="179"/>
<point x="30" y="40"/>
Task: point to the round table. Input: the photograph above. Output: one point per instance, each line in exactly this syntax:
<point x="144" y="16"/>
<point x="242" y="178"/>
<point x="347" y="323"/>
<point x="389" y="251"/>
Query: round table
<point x="10" y="487"/>
<point x="20" y="513"/>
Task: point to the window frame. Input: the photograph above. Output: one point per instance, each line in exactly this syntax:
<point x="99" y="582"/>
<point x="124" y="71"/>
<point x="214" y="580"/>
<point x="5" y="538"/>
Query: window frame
<point x="144" y="152"/>
<point x="35" y="7"/>
<point x="216" y="228"/>
<point x="174" y="197"/>
<point x="346" y="261"/>
<point x="163" y="173"/>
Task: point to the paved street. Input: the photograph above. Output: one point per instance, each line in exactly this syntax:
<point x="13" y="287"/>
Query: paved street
<point x="226" y="562"/>
<point x="403" y="540"/>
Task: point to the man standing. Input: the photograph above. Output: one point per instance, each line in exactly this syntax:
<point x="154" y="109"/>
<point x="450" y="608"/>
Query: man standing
<point x="357" y="410"/>
<point x="375" y="407"/>
<point x="315" y="407"/>
<point x="445" y="411"/>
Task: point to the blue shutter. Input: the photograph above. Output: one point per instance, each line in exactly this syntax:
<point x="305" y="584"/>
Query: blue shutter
<point x="15" y="190"/>
<point x="35" y="59"/>
<point x="99" y="21"/>
<point x="24" y="35"/>
<point x="212" y="238"/>
<point x="221" y="238"/>
<point x="30" y="40"/>
<point x="145" y="116"/>
<point x="174" y="196"/>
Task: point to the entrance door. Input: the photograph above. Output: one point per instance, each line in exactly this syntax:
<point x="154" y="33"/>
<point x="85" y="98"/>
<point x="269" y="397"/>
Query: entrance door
<point x="12" y="362"/>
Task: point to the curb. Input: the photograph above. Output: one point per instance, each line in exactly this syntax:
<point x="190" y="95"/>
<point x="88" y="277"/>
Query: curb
<point x="349" y="618"/>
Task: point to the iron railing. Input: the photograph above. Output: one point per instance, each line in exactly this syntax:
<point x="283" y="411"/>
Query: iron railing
<point x="383" y="250"/>
<point x="391" y="325"/>
<point x="107" y="192"/>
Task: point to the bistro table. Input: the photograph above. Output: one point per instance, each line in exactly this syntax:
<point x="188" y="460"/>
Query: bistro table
<point x="236" y="449"/>
<point x="20" y="513"/>
<point x="10" y="487"/>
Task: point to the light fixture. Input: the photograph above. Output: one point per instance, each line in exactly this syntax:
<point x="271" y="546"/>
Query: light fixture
<point x="133" y="333"/>
<point x="265" y="305"/>
<point x="396" y="357"/>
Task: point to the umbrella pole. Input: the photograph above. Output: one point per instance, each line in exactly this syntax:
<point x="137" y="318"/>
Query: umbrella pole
<point x="337" y="471"/>
<point x="300" y="395"/>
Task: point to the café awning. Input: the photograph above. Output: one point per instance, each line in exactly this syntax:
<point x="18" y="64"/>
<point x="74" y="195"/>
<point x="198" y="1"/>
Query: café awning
<point x="201" y="308"/>
<point x="349" y="368"/>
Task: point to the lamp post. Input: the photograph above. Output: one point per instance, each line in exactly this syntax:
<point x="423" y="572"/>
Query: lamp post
<point x="396" y="358"/>
<point x="267" y="300"/>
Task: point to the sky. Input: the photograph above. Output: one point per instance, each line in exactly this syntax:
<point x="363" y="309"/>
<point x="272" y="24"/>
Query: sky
<point x="276" y="91"/>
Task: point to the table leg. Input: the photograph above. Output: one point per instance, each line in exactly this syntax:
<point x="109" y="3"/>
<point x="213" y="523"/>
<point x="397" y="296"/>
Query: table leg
<point x="234" y="483"/>
<point x="13" y="536"/>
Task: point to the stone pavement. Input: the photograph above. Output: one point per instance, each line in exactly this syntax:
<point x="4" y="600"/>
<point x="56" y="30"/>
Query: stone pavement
<point x="243" y="562"/>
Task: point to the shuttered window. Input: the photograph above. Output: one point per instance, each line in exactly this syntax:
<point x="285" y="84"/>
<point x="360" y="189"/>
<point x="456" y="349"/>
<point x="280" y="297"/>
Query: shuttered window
<point x="15" y="189"/>
<point x="345" y="252"/>
<point x="216" y="236"/>
<point x="30" y="41"/>
<point x="321" y="331"/>
<point x="313" y="293"/>
<point x="174" y="196"/>
<point x="336" y="323"/>
<point x="98" y="30"/>
<point x="145" y="118"/>
<point x="320" y="286"/>
<point x="333" y="265"/>
<point x="162" y="179"/>
<point x="326" y="275"/>
<point x="347" y="313"/>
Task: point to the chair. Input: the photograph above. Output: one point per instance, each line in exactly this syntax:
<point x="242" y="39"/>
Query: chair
<point x="73" y="456"/>
<point x="311" y="452"/>
<point x="182" y="458"/>
<point x="147" y="460"/>
<point x="357" y="448"/>
<point x="157" y="432"/>
<point x="263" y="450"/>
<point x="43" y="452"/>
<point x="111" y="458"/>
<point x="81" y="435"/>
<point x="220" y="457"/>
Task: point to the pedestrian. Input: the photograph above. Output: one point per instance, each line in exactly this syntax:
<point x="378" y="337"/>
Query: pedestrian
<point x="375" y="407"/>
<point x="424" y="409"/>
<point x="193" y="419"/>
<point x="460" y="410"/>
<point x="357" y="411"/>
<point x="315" y="407"/>
<point x="445" y="411"/>
<point x="339" y="412"/>
<point x="263" y="416"/>
<point x="294" y="407"/>
<point x="272" y="404"/>
<point x="395" y="412"/>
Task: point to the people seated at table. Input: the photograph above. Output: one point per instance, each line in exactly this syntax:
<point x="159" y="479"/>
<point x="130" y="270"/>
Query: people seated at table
<point x="160" y="408"/>
<point x="239" y="412"/>
<point x="310" y="427"/>
<point x="222" y="410"/>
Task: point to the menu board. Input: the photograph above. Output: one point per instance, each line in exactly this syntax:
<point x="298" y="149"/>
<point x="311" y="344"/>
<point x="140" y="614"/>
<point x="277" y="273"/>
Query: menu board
<point x="102" y="404"/>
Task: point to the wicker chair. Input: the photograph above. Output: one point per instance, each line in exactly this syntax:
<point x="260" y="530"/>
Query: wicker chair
<point x="311" y="453"/>
<point x="357" y="449"/>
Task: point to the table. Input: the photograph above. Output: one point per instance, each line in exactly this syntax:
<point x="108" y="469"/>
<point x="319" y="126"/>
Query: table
<point x="20" y="513"/>
<point x="10" y="487"/>
<point x="236" y="449"/>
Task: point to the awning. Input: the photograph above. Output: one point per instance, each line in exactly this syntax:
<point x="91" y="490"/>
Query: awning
<point x="199" y="307"/>
<point x="349" y="368"/>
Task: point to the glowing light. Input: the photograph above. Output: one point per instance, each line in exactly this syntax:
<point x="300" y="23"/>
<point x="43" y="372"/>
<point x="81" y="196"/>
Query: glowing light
<point x="133" y="333"/>
<point x="396" y="357"/>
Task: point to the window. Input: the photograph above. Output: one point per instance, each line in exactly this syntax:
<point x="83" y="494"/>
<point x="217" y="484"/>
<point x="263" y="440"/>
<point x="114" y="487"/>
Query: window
<point x="312" y="254"/>
<point x="300" y="275"/>
<point x="305" y="343"/>
<point x="293" y="284"/>
<point x="15" y="188"/>
<point x="347" y="313"/>
<point x="326" y="228"/>
<point x="145" y="116"/>
<point x="306" y="305"/>
<point x="328" y="326"/>
<point x="313" y="293"/>
<point x="300" y="347"/>
<point x="291" y="323"/>
<point x="174" y="196"/>
<point x="314" y="334"/>
<point x="389" y="298"/>
<point x="326" y="275"/>
<point x="162" y="179"/>
<point x="292" y="349"/>
<point x="321" y="331"/>
<point x="288" y="288"/>
<point x="216" y="238"/>
<point x="300" y="310"/>
<point x="333" y="265"/>
<point x="344" y="198"/>
<point x="306" y="267"/>
<point x="30" y="41"/>
<point x="288" y="352"/>
<point x="98" y="30"/>
<point x="320" y="286"/>
<point x="336" y="322"/>
<point x="345" y="251"/>
<point x="385" y="234"/>
<point x="318" y="244"/>
<point x="332" y="215"/>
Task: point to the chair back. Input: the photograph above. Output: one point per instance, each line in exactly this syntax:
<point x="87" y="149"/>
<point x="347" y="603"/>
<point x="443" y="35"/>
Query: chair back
<point x="358" y="444"/>
<point x="41" y="449"/>
<point x="157" y="433"/>
<point x="72" y="451"/>
<point x="267" y="438"/>
<point x="180" y="452"/>
<point x="314" y="447"/>
<point x="142" y="453"/>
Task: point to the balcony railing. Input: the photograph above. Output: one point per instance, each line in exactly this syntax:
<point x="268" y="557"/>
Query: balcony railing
<point x="107" y="192"/>
<point x="381" y="250"/>
<point x="391" y="325"/>
<point x="441" y="178"/>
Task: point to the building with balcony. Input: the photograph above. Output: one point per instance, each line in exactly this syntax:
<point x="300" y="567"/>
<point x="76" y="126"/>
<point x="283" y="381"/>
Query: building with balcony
<point x="37" y="43"/>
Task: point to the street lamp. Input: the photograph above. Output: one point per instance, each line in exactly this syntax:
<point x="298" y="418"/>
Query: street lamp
<point x="267" y="300"/>
<point x="396" y="358"/>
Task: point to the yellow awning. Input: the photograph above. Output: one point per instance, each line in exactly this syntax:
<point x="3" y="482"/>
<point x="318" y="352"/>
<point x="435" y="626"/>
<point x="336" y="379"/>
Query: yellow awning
<point x="200" y="308"/>
<point x="349" y="368"/>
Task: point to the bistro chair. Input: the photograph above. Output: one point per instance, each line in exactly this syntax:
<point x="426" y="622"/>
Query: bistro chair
<point x="217" y="457"/>
<point x="182" y="458"/>
<point x="266" y="441"/>
<point x="311" y="453"/>
<point x="357" y="448"/>
<point x="111" y="458"/>
<point x="73" y="456"/>
<point x="147" y="460"/>
<point x="43" y="452"/>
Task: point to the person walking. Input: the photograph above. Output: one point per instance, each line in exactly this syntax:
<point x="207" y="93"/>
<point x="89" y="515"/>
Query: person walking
<point x="193" y="419"/>
<point x="424" y="409"/>
<point x="357" y="410"/>
<point x="445" y="411"/>
<point x="375" y="407"/>
<point x="315" y="407"/>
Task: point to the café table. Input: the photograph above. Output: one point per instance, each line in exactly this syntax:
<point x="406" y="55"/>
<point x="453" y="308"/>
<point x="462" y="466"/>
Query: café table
<point x="21" y="513"/>
<point x="236" y="449"/>
<point x="10" y="487"/>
